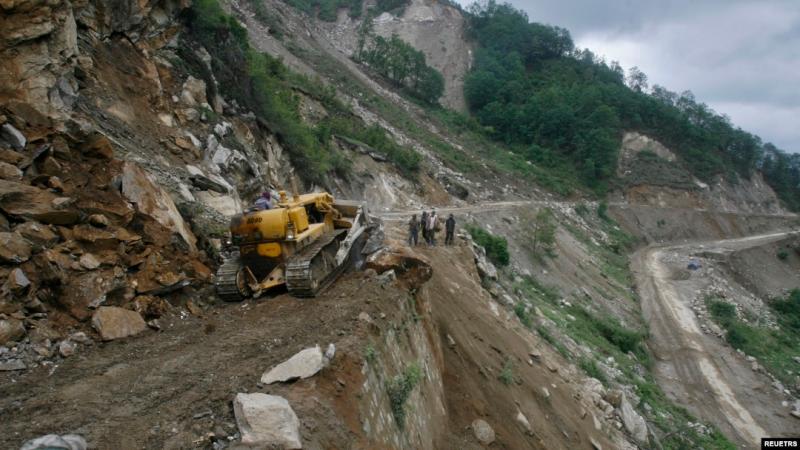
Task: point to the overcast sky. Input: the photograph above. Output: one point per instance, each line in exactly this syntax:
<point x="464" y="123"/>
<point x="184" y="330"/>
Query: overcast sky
<point x="741" y="57"/>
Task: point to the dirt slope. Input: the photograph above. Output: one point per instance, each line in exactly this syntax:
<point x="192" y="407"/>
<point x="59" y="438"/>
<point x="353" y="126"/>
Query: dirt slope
<point x="146" y="392"/>
<point x="483" y="339"/>
<point x="696" y="369"/>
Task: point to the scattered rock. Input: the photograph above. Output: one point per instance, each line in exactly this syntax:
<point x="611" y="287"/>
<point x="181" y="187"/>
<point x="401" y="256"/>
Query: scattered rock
<point x="364" y="317"/>
<point x="633" y="422"/>
<point x="522" y="420"/>
<point x="11" y="365"/>
<point x="114" y="323"/>
<point x="545" y="392"/>
<point x="14" y="248"/>
<point x="79" y="337"/>
<point x="12" y="136"/>
<point x="98" y="220"/>
<point x="89" y="262"/>
<point x="595" y="445"/>
<point x="66" y="348"/>
<point x="304" y="364"/>
<point x="330" y="352"/>
<point x="614" y="396"/>
<point x="30" y="202"/>
<point x="153" y="201"/>
<point x="11" y="330"/>
<point x="38" y="234"/>
<point x="193" y="92"/>
<point x="17" y="282"/>
<point x="98" y="146"/>
<point x="56" y="442"/>
<point x="9" y="172"/>
<point x="266" y="421"/>
<point x="483" y="431"/>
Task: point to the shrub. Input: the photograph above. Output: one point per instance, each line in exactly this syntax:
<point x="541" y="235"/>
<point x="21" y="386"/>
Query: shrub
<point x="370" y="354"/>
<point x="399" y="390"/>
<point x="722" y="312"/>
<point x="602" y="211"/>
<point x="496" y="246"/>
<point x="783" y="254"/>
<point x="522" y="313"/>
<point x="507" y="374"/>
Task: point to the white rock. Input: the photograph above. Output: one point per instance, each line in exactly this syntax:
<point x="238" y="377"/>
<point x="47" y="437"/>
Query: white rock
<point x="304" y="364"/>
<point x="56" y="442"/>
<point x="266" y="421"/>
<point x="330" y="352"/>
<point x="89" y="261"/>
<point x="522" y="420"/>
<point x="483" y="431"/>
<point x="66" y="348"/>
<point x="633" y="422"/>
<point x="114" y="323"/>
<point x="13" y="136"/>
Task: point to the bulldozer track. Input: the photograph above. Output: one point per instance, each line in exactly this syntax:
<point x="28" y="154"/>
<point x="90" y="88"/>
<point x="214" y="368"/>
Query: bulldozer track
<point x="306" y="270"/>
<point x="226" y="279"/>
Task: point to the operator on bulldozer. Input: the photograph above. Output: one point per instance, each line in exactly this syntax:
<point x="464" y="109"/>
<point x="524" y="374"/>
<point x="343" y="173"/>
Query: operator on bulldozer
<point x="303" y="242"/>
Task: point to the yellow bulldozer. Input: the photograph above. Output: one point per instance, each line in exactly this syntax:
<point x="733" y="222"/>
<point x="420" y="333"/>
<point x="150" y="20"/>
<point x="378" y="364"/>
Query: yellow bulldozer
<point x="304" y="243"/>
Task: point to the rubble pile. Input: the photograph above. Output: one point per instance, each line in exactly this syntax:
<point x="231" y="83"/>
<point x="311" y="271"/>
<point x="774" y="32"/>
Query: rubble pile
<point x="90" y="246"/>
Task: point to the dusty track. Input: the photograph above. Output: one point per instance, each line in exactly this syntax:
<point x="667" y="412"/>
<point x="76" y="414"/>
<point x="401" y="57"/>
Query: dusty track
<point x="697" y="370"/>
<point x="393" y="216"/>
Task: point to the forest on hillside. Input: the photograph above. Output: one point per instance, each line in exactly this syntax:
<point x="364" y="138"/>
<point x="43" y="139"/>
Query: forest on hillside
<point x="530" y="87"/>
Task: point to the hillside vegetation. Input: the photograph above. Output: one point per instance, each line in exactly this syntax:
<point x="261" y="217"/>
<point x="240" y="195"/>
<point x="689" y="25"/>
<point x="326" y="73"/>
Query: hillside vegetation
<point x="264" y="85"/>
<point x="566" y="108"/>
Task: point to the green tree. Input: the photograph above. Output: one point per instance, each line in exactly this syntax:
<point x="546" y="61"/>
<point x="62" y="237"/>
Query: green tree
<point x="543" y="232"/>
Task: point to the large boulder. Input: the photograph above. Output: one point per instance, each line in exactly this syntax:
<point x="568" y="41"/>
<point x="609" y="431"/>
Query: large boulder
<point x="153" y="201"/>
<point x="267" y="421"/>
<point x="634" y="423"/>
<point x="14" y="248"/>
<point x="114" y="323"/>
<point x="12" y="137"/>
<point x="11" y="330"/>
<point x="21" y="200"/>
<point x="483" y="432"/>
<point x="193" y="92"/>
<point x="304" y="364"/>
<point x="409" y="267"/>
<point x="9" y="172"/>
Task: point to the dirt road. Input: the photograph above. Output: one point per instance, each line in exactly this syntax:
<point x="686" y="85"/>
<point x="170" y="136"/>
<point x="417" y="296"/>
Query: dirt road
<point x="697" y="370"/>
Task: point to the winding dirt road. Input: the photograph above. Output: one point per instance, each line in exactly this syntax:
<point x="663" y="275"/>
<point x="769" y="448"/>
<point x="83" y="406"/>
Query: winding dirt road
<point x="697" y="370"/>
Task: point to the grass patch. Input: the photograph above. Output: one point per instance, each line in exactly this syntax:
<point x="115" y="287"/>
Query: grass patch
<point x="590" y="367"/>
<point x="773" y="348"/>
<point x="399" y="390"/>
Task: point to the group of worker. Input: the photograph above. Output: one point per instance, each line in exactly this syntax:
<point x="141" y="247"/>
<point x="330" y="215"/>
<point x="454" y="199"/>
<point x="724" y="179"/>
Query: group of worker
<point x="429" y="225"/>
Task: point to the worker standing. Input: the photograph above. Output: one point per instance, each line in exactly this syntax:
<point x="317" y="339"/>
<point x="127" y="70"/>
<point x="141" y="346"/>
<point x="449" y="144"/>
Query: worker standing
<point x="413" y="230"/>
<point x="423" y="225"/>
<point x="432" y="224"/>
<point x="449" y="228"/>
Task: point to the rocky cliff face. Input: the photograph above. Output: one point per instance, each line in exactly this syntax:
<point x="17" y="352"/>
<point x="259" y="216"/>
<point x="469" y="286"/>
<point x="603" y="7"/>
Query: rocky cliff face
<point x="652" y="175"/>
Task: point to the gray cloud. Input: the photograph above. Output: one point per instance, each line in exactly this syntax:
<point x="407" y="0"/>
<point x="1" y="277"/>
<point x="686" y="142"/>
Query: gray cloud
<point x="742" y="57"/>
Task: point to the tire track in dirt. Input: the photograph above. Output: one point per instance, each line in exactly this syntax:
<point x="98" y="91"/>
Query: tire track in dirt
<point x="700" y="371"/>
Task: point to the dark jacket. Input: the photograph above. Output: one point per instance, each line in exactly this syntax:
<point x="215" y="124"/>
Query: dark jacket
<point x="450" y="224"/>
